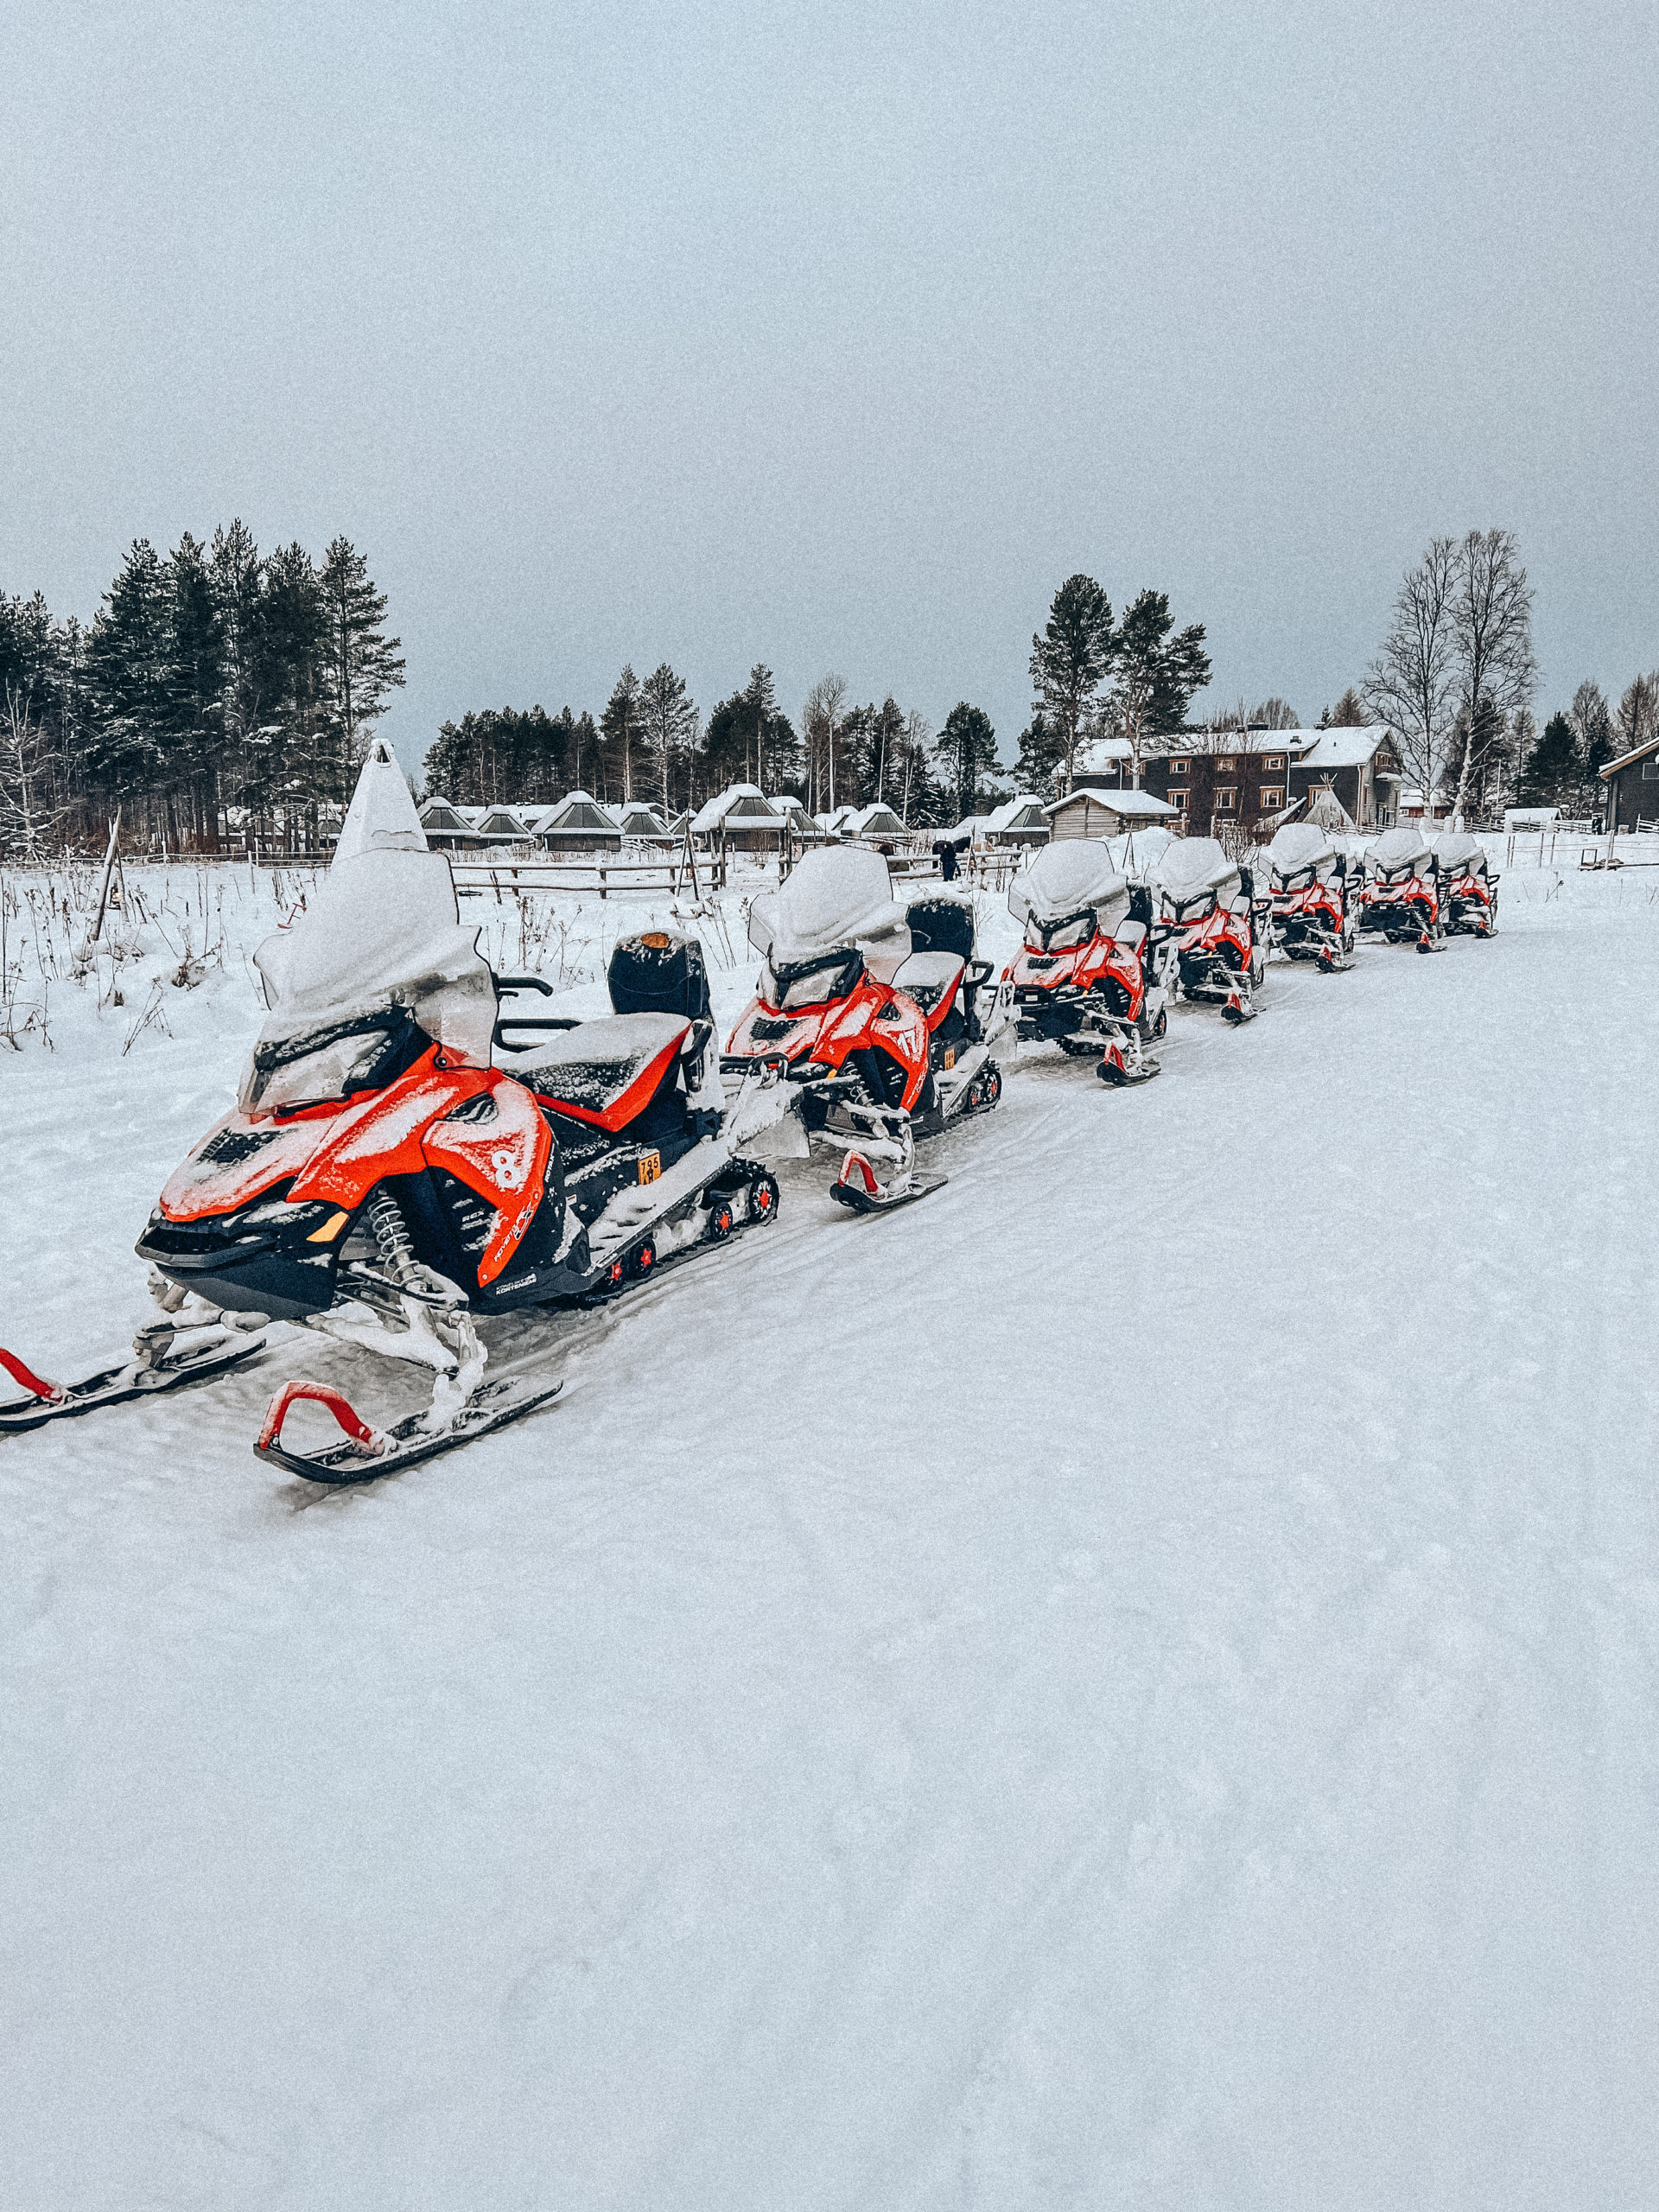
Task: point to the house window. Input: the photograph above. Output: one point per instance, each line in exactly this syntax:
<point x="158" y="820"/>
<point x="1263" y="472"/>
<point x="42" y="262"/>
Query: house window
<point x="1651" y="769"/>
<point x="1273" y="798"/>
<point x="1179" y="767"/>
<point x="1227" y="799"/>
<point x="1273" y="760"/>
<point x="1178" y="799"/>
<point x="1224" y="767"/>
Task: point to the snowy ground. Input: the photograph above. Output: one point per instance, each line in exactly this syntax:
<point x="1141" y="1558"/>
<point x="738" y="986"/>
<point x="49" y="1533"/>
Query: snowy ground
<point x="1131" y="1683"/>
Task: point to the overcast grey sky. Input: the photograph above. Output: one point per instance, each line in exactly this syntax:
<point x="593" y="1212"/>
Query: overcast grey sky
<point x="836" y="336"/>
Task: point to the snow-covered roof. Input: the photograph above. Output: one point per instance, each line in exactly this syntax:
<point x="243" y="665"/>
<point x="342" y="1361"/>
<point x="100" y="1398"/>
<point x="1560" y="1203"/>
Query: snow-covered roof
<point x="1344" y="748"/>
<point x="1127" y="805"/>
<point x="1023" y="811"/>
<point x="1241" y="743"/>
<point x="580" y="814"/>
<point x="744" y="803"/>
<point x="877" y="820"/>
<point x="501" y="822"/>
<point x="436" y="813"/>
<point x="637" y="819"/>
<point x="791" y="808"/>
<point x="1625" y="760"/>
<point x="970" y="826"/>
<point x="1099" y="753"/>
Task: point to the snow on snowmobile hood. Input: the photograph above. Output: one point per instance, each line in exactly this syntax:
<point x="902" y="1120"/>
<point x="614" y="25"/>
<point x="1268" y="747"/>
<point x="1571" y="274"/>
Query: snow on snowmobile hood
<point x="1300" y="845"/>
<point x="839" y="894"/>
<point x="1192" y="865"/>
<point x="382" y="931"/>
<point x="1064" y="879"/>
<point x="1404" y="846"/>
<point x="1459" y="853"/>
<point x="381" y="816"/>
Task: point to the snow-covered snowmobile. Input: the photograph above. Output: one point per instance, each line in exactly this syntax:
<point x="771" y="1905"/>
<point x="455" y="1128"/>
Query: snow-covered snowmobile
<point x="1402" y="899"/>
<point x="869" y="1018"/>
<point x="1084" y="978"/>
<point x="1208" y="916"/>
<point x="409" y="1151"/>
<point x="1468" y="887"/>
<point x="1315" y="893"/>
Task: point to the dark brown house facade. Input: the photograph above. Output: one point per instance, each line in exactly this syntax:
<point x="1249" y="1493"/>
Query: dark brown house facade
<point x="1632" y="783"/>
<point x="1241" y="789"/>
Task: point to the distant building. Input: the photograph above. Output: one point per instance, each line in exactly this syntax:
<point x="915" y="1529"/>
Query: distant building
<point x="577" y="828"/>
<point x="1218" y="780"/>
<point x="872" y="822"/>
<point x="446" y="829"/>
<point x="639" y="820"/>
<point x="1632" y="785"/>
<point x="1019" y="821"/>
<point x="742" y="819"/>
<point x="1088" y="812"/>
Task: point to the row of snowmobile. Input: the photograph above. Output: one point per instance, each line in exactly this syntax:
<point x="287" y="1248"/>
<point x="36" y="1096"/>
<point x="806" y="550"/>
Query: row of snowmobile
<point x="418" y="1146"/>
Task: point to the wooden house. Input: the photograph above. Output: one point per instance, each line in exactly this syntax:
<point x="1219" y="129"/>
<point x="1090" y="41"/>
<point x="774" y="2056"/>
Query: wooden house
<point x="1633" y="786"/>
<point x="1088" y="812"/>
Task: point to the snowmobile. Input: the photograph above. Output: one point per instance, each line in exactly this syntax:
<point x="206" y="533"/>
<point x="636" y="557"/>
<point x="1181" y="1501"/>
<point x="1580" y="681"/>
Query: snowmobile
<point x="1314" y="894"/>
<point x="1213" y="925"/>
<point x="1468" y="888"/>
<point x="412" y="1151"/>
<point x="1084" y="978"/>
<point x="1402" y="898"/>
<point x="868" y="1020"/>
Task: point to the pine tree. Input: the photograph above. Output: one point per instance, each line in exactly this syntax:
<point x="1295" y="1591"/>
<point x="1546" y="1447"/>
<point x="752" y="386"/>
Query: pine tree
<point x="1070" y="661"/>
<point x="1154" y="675"/>
<point x="130" y="663"/>
<point x="967" y="746"/>
<point x="363" y="665"/>
<point x="668" y="720"/>
<point x="1549" y="768"/>
<point x="618" y="727"/>
<point x="1041" y="751"/>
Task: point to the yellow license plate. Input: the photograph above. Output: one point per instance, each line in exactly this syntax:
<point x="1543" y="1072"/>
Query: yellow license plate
<point x="650" y="1166"/>
<point x="950" y="1056"/>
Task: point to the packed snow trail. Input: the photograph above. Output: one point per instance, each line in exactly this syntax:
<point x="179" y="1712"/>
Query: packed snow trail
<point x="1131" y="1683"/>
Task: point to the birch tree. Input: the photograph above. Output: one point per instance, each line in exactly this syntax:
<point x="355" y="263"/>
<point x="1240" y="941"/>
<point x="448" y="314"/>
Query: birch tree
<point x="1412" y="685"/>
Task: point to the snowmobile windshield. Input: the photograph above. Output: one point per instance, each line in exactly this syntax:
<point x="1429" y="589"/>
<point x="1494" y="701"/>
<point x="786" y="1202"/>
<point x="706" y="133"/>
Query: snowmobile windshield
<point x="1063" y="934"/>
<point x="792" y="986"/>
<point x="335" y="1062"/>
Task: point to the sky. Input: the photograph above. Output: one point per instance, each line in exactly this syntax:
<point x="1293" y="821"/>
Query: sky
<point x="835" y="337"/>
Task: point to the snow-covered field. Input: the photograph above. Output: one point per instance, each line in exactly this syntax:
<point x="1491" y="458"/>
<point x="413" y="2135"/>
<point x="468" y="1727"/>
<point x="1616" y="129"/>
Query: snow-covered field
<point x="1130" y="1683"/>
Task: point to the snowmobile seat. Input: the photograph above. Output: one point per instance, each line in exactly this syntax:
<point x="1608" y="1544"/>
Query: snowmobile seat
<point x="605" y="1072"/>
<point x="931" y="978"/>
<point x="940" y="924"/>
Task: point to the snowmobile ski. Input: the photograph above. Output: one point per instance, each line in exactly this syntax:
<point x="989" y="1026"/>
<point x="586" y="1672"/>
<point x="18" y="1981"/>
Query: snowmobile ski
<point x="859" y="1188"/>
<point x="368" y="1453"/>
<point x="112" y="1386"/>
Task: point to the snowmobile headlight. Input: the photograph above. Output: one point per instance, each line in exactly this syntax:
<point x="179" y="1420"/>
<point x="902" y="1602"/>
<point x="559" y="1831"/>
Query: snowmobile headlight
<point x="283" y="1213"/>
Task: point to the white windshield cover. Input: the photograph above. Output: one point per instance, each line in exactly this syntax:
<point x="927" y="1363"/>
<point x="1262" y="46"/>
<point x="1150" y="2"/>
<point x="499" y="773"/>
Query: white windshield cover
<point x="1195" y="864"/>
<point x="1300" y="845"/>
<point x="1065" y="878"/>
<point x="382" y="930"/>
<point x="1399" y="847"/>
<point x="838" y="895"/>
<point x="1460" y="854"/>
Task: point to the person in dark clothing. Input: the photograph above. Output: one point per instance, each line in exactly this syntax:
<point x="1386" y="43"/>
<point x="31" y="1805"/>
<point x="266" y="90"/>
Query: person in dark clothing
<point x="947" y="852"/>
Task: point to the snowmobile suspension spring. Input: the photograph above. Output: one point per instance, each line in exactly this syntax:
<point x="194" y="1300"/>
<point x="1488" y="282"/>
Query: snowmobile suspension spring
<point x="391" y="1235"/>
